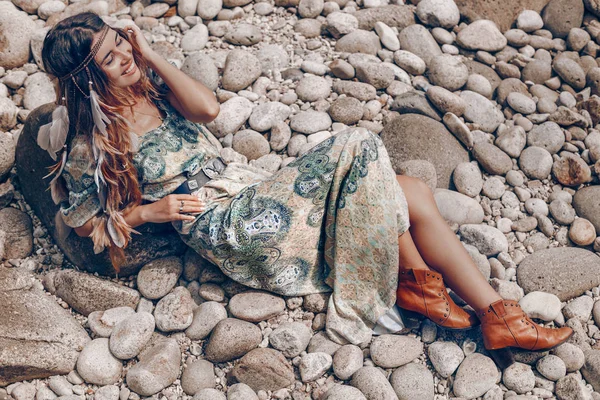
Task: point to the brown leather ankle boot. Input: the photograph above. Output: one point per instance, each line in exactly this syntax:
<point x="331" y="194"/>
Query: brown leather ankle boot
<point x="505" y="325"/>
<point x="422" y="292"/>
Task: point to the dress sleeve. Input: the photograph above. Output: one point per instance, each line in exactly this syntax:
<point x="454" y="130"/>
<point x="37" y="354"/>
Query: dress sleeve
<point x="83" y="202"/>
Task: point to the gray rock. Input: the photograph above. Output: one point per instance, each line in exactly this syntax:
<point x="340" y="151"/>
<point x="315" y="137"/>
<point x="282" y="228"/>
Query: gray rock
<point x="244" y="35"/>
<point x="570" y="72"/>
<point x="209" y="394"/>
<point x="102" y="322"/>
<point x="521" y="103"/>
<point x="448" y="71"/>
<point x="394" y="16"/>
<point x="174" y="312"/>
<point x="591" y="368"/>
<point x="512" y="141"/>
<point x="255" y="306"/>
<point x="156" y="279"/>
<point x="206" y="316"/>
<point x="391" y="351"/>
<point x="536" y="162"/>
<point x="310" y="121"/>
<point x="581" y="308"/>
<point x="17" y="226"/>
<point x="359" y="90"/>
<point x="347" y="360"/>
<point x="458" y="208"/>
<point x="544" y="306"/>
<point x="241" y="70"/>
<point x="17" y="30"/>
<point x="267" y="115"/>
<point x="413" y="381"/>
<point x="241" y="391"/>
<point x="481" y="111"/>
<point x="233" y="114"/>
<point x="519" y="377"/>
<point x="566" y="272"/>
<point x="313" y="88"/>
<point x="415" y="103"/>
<point x="131" y="335"/>
<point x="562" y="212"/>
<point x="571" y="355"/>
<point x="87" y="293"/>
<point x="96" y="364"/>
<point x="321" y="343"/>
<point x="209" y="9"/>
<point x="481" y="35"/>
<point x="491" y="158"/>
<point x="158" y="368"/>
<point x="232" y="338"/>
<point x="445" y="357"/>
<point x="446" y="101"/>
<point x="291" y="338"/>
<point x="310" y="8"/>
<point x="346" y="110"/>
<point x="24" y="391"/>
<point x="422" y="169"/>
<point x="341" y="23"/>
<point x="264" y="369"/>
<point x="39" y="90"/>
<point x="272" y="57"/>
<point x="373" y="384"/>
<point x="43" y="338"/>
<point x="412" y="136"/>
<point x="343" y="392"/>
<point x="410" y="62"/>
<point x="571" y="387"/>
<point x="587" y="204"/>
<point x="359" y="41"/>
<point x="487" y="239"/>
<point x="60" y="385"/>
<point x="313" y="365"/>
<point x="537" y="71"/>
<point x="201" y="67"/>
<point x="309" y="28"/>
<point x="417" y="40"/>
<point x="7" y="146"/>
<point x="561" y="15"/>
<point x="476" y="375"/>
<point x="197" y="375"/>
<point x="251" y="144"/>
<point x="194" y="39"/>
<point x="468" y="179"/>
<point x="551" y="367"/>
<point x="442" y="13"/>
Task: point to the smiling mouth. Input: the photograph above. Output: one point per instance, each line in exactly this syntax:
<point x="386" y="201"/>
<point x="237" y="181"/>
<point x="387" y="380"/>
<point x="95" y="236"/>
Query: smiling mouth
<point x="129" y="69"/>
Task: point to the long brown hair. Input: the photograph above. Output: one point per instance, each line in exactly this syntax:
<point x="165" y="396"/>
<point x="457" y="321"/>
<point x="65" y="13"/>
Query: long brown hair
<point x="65" y="47"/>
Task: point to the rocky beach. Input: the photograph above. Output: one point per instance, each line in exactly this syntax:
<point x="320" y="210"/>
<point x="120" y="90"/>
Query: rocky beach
<point x="494" y="104"/>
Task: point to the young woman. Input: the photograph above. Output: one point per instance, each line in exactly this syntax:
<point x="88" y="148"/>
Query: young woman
<point x="336" y="219"/>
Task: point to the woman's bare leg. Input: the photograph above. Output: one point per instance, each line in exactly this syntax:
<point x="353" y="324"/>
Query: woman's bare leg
<point x="430" y="241"/>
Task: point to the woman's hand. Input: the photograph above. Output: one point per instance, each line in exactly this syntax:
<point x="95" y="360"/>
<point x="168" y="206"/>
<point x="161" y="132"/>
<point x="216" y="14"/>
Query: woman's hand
<point x="134" y="34"/>
<point x="174" y="207"/>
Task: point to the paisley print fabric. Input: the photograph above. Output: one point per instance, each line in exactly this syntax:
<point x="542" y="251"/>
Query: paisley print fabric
<point x="327" y="222"/>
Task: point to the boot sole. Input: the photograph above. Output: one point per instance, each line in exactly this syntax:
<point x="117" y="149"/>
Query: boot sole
<point x="412" y="320"/>
<point x="504" y="357"/>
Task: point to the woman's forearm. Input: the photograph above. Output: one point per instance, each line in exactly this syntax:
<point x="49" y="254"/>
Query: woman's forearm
<point x="196" y="100"/>
<point x="135" y="217"/>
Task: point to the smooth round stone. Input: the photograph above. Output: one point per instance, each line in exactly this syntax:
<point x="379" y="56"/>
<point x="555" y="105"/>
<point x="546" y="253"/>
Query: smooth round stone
<point x="519" y="377"/>
<point x="446" y="101"/>
<point x="421" y="169"/>
<point x="244" y="35"/>
<point x="343" y="392"/>
<point x="475" y="376"/>
<point x="209" y="394"/>
<point x="551" y="367"/>
<point x="241" y="69"/>
<point x="492" y="159"/>
<point x="313" y="88"/>
<point x="346" y="110"/>
<point x="562" y="212"/>
<point x="341" y="23"/>
<point x="442" y="13"/>
<point x="468" y="179"/>
<point x="158" y="368"/>
<point x="481" y="111"/>
<point x="209" y="9"/>
<point x="206" y="316"/>
<point x="479" y="84"/>
<point x="197" y="375"/>
<point x="241" y="391"/>
<point x="347" y="360"/>
<point x="50" y="8"/>
<point x="232" y="338"/>
<point x="194" y="39"/>
<point x="458" y="208"/>
<point x="571" y="170"/>
<point x="313" y="366"/>
<point x="529" y="21"/>
<point x="514" y="178"/>
<point x="155" y="10"/>
<point x="359" y="41"/>
<point x="582" y="232"/>
<point x="387" y="36"/>
<point x="570" y="71"/>
<point x="536" y="162"/>
<point x="448" y="72"/>
<point x="131" y="335"/>
<point x="445" y="357"/>
<point x="97" y="365"/>
<point x="290" y="338"/>
<point x="481" y="35"/>
<point x="174" y="312"/>
<point x="251" y="144"/>
<point x="541" y="305"/>
<point x="418" y="40"/>
<point x="512" y="141"/>
<point x="493" y="188"/>
<point x="391" y="351"/>
<point x="487" y="239"/>
<point x="413" y="381"/>
<point x="310" y="8"/>
<point x="536" y="206"/>
<point x="410" y="62"/>
<point x="572" y="356"/>
<point x="156" y="279"/>
<point x="103" y="322"/>
<point x="548" y="135"/>
<point x="373" y="383"/>
<point x="521" y="103"/>
<point x="255" y="306"/>
<point x="310" y="121"/>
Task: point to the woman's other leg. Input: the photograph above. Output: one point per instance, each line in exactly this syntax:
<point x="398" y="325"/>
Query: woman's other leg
<point x="431" y="241"/>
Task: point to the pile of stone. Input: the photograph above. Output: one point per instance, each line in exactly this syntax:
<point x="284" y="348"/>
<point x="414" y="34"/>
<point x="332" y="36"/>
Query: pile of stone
<point x="494" y="106"/>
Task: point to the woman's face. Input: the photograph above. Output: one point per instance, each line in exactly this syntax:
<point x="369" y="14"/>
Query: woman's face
<point x="115" y="57"/>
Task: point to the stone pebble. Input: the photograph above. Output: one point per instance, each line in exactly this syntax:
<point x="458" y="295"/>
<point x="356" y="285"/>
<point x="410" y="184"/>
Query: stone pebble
<point x="129" y="336"/>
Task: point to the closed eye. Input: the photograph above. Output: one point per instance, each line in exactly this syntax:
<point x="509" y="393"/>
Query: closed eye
<point x="111" y="57"/>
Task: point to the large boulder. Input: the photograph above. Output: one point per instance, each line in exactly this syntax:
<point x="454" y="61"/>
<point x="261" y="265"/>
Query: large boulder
<point x="502" y="13"/>
<point x="38" y="338"/>
<point x="566" y="272"/>
<point x="155" y="241"/>
<point x="417" y="137"/>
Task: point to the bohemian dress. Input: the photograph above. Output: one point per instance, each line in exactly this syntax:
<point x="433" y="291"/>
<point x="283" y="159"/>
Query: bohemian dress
<point x="327" y="222"/>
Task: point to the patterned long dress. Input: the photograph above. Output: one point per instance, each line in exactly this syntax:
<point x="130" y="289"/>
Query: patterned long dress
<point x="327" y="222"/>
